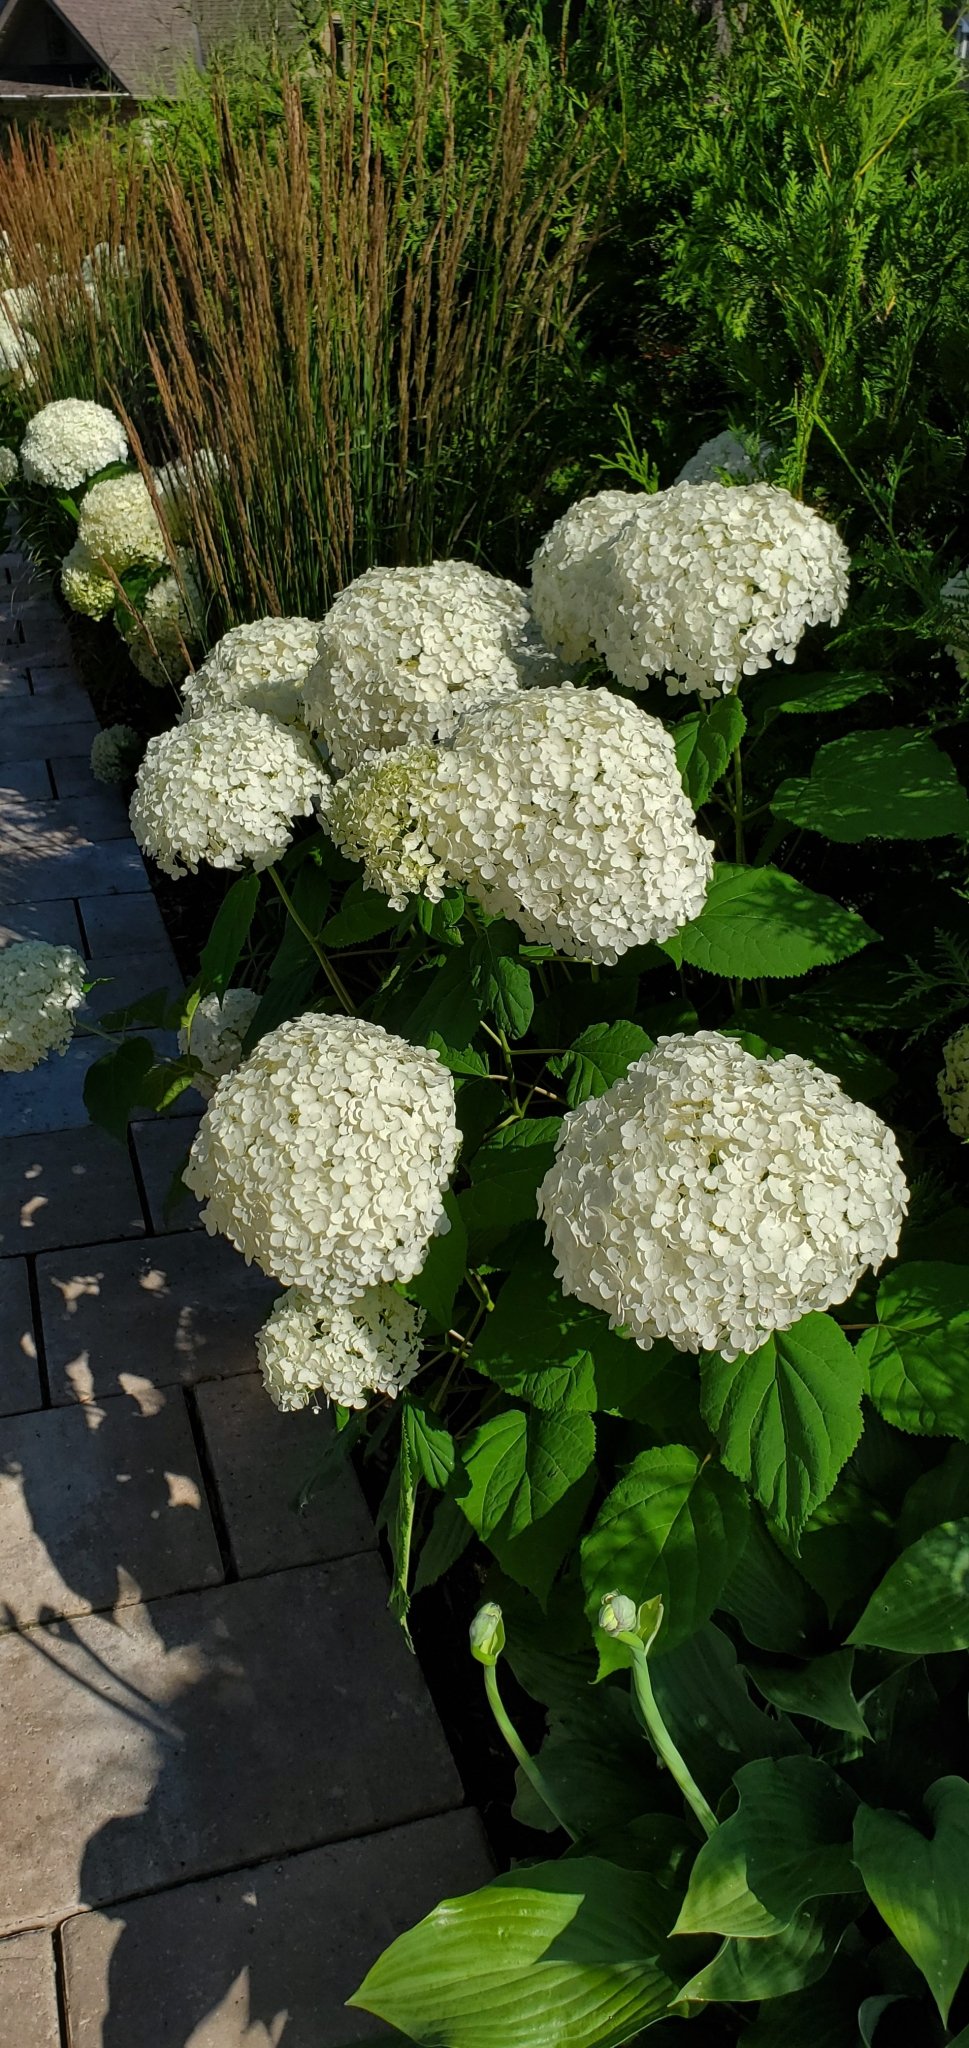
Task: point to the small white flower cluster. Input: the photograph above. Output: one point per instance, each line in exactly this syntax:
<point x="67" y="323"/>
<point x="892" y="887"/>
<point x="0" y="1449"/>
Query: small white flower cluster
<point x="9" y="466"/>
<point x="380" y="813"/>
<point x="84" y="585"/>
<point x="711" y="1198"/>
<point x="70" y="440"/>
<point x="263" y="665"/>
<point x="215" y="1034"/>
<point x="119" y="527"/>
<point x="115" y="753"/>
<point x="18" y="346"/>
<point x="953" y="1082"/>
<point x="727" y="452"/>
<point x="41" y="986"/>
<point x="225" y="789"/>
<point x="402" y="652"/>
<point x="341" y="1351"/>
<point x="712" y="582"/>
<point x="563" y="810"/>
<point x="570" y="571"/>
<point x="172" y="618"/>
<point x="324" y="1156"/>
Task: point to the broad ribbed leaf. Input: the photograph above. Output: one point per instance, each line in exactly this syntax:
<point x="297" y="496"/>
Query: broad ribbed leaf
<point x="518" y="1464"/>
<point x="704" y="742"/>
<point x="820" y="1689"/>
<point x="922" y="1604"/>
<point x="919" y="1883"/>
<point x="787" y="1417"/>
<point x="674" y="1525"/>
<point x="760" y="922"/>
<point x="599" y="1057"/>
<point x="918" y="1358"/>
<point x="789" y="1841"/>
<point x="886" y="785"/>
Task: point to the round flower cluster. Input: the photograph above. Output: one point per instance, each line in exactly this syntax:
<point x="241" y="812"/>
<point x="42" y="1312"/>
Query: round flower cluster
<point x="17" y="345"/>
<point x="953" y="1082"/>
<point x="118" y="525"/>
<point x="263" y="665"/>
<point x="402" y="652"/>
<point x="570" y="571"/>
<point x="9" y="467"/>
<point x="70" y="440"/>
<point x="724" y="452"/>
<point x="324" y="1156"/>
<point x="171" y="618"/>
<point x="563" y="810"/>
<point x="710" y="1197"/>
<point x="215" y="1034"/>
<point x="310" y="1347"/>
<point x="41" y="986"/>
<point x="224" y="788"/>
<point x="709" y="582"/>
<point x="85" y="586"/>
<point x="115" y="753"/>
<point x="380" y="813"/>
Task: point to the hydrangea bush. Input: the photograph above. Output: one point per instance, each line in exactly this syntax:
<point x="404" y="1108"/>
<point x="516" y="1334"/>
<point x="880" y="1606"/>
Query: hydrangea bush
<point x="572" y="1061"/>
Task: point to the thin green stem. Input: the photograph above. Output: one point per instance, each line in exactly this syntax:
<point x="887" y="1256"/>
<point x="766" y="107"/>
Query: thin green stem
<point x="520" y="1753"/>
<point x="327" y="965"/>
<point x="661" y="1738"/>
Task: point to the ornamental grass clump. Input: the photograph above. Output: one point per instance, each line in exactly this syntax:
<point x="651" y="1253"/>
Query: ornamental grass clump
<point x="41" y="988"/>
<point x="325" y="1155"/>
<point x="344" y="1352"/>
<point x="711" y="1198"/>
<point x="263" y="665"/>
<point x="224" y="789"/>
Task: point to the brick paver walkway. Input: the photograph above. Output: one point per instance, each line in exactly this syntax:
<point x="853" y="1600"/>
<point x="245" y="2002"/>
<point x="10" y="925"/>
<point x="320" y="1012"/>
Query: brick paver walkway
<point x="223" y="1786"/>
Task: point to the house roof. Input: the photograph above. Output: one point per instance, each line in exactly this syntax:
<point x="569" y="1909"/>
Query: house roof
<point x="142" y="45"/>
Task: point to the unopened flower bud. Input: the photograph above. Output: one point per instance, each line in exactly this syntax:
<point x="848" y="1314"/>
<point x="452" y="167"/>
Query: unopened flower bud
<point x="487" y="1633"/>
<point x="618" y="1615"/>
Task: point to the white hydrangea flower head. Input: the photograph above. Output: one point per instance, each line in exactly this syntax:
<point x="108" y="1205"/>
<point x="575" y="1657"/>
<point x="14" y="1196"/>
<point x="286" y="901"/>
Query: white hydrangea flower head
<point x="115" y="753"/>
<point x="379" y="813"/>
<point x="172" y="614"/>
<point x="953" y="1082"/>
<point x="570" y="571"/>
<point x="563" y="810"/>
<point x="711" y="582"/>
<point x="70" y="440"/>
<point x="41" y="986"/>
<point x="711" y="1198"/>
<point x="343" y="1351"/>
<point x="325" y="1155"/>
<point x="84" y="585"/>
<point x="215" y="1034"/>
<point x="264" y="665"/>
<point x="955" y="598"/>
<point x="17" y="348"/>
<point x="119" y="526"/>
<point x="9" y="466"/>
<point x="725" y="451"/>
<point x="402" y="652"/>
<point x="223" y="789"/>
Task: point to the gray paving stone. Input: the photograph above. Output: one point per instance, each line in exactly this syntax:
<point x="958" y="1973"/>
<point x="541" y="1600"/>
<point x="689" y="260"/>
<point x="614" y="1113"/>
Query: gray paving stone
<point x="56" y="921"/>
<point x="28" y="1998"/>
<point x="99" y="815"/>
<point x="196" y="1734"/>
<point x="161" y="1148"/>
<point x="128" y="978"/>
<point x="14" y="682"/>
<point x="50" y="1097"/>
<point x="72" y="773"/>
<point x="123" y="925"/>
<point x="64" y="865"/>
<point x="42" y="680"/>
<point x="101" y="1506"/>
<point x="24" y="779"/>
<point x="266" y="1955"/>
<point x="65" y="1188"/>
<point x="20" y="743"/>
<point x="65" y="703"/>
<point x="125" y="1317"/>
<point x="20" y="1386"/>
<point x="261" y="1460"/>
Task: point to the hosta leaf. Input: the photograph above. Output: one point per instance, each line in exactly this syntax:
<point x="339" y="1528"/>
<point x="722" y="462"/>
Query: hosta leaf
<point x="704" y="742"/>
<point x="760" y="922"/>
<point x="742" y="1971"/>
<point x="918" y="1883"/>
<point x="789" y="1841"/>
<point x="787" y="1417"/>
<point x="775" y="1607"/>
<point x="826" y="2014"/>
<point x="674" y="1525"/>
<point x="599" y="1057"/>
<point x="918" y="1358"/>
<point x="519" y="1464"/>
<point x="886" y="785"/>
<point x="922" y="1604"/>
<point x="564" y="1955"/>
<point x="821" y="1689"/>
<point x="702" y="1693"/>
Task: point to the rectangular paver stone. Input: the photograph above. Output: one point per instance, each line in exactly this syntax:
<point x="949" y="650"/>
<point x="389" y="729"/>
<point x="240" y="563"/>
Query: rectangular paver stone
<point x="22" y="743"/>
<point x="260" y="1461"/>
<point x="264" y="1955"/>
<point x="55" y="921"/>
<point x="24" y="778"/>
<point x="196" y="1734"/>
<point x="28" y="1998"/>
<point x="123" y="925"/>
<point x="63" y="865"/>
<point x="65" y="1188"/>
<point x="90" y="819"/>
<point x="49" y="1097"/>
<point x="20" y="1386"/>
<point x="161" y="1148"/>
<point x="170" y="1310"/>
<point x="66" y="702"/>
<point x="101" y="1506"/>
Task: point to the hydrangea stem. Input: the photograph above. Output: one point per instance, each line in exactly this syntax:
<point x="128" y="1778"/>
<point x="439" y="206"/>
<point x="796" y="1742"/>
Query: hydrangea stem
<point x="328" y="968"/>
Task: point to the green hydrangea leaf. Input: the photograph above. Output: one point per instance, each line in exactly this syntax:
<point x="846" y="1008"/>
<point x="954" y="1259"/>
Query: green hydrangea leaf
<point x="886" y="785"/>
<point x="787" y="1417"/>
<point x="760" y="923"/>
